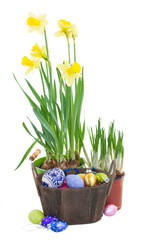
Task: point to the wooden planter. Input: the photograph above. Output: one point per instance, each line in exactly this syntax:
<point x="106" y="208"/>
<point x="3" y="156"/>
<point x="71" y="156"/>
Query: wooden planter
<point x="74" y="205"/>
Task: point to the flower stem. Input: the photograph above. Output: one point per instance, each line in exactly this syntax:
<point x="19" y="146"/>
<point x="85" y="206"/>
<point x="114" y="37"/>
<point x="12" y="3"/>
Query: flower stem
<point x="42" y="82"/>
<point x="69" y="56"/>
<point x="74" y="46"/>
<point x="50" y="80"/>
<point x="46" y="43"/>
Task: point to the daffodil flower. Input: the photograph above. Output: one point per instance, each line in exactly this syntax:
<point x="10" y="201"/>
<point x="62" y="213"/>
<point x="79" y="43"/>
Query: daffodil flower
<point x="31" y="64"/>
<point x="66" y="29"/>
<point x="70" y="72"/>
<point x="38" y="52"/>
<point x="36" y="23"/>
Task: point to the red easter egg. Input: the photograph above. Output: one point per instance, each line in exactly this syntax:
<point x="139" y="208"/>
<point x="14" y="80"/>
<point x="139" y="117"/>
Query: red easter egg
<point x="64" y="185"/>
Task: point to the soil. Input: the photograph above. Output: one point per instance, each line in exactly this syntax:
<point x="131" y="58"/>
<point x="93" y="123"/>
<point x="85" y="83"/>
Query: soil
<point x="64" y="164"/>
<point x="119" y="174"/>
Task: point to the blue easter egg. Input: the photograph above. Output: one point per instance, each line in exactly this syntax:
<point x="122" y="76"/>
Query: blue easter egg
<point x="53" y="178"/>
<point x="74" y="181"/>
<point x="47" y="220"/>
<point x="58" y="226"/>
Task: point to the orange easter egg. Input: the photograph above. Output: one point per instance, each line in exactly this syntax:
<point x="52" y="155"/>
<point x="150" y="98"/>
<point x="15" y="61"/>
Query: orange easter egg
<point x="82" y="175"/>
<point x="90" y="180"/>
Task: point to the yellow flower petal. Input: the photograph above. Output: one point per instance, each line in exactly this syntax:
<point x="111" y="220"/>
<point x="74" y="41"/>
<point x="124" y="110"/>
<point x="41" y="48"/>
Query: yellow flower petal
<point x="33" y="21"/>
<point x="64" y="75"/>
<point x="67" y="64"/>
<point x="70" y="81"/>
<point x="59" y="33"/>
<point x="75" y="68"/>
<point x="27" y="62"/>
<point x="66" y="28"/>
<point x="38" y="52"/>
<point x="70" y="72"/>
<point x="30" y="69"/>
<point x="61" y="67"/>
<point x="31" y="64"/>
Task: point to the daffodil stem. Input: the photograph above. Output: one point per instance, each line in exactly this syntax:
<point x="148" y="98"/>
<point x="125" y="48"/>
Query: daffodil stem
<point x="46" y="43"/>
<point x="69" y="55"/>
<point x="74" y="46"/>
<point x="42" y="82"/>
<point x="50" y="77"/>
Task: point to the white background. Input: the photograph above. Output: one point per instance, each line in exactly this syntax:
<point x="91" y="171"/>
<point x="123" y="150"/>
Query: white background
<point x="119" y="47"/>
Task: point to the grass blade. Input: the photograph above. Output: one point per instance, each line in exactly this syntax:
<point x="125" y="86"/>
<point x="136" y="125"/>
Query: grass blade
<point x="26" y="154"/>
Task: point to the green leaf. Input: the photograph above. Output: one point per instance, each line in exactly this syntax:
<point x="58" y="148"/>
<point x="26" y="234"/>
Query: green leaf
<point x="36" y="94"/>
<point x="46" y="42"/>
<point x="85" y="153"/>
<point x="47" y="127"/>
<point x="45" y="76"/>
<point x="26" y="155"/>
<point x="53" y="114"/>
<point x="37" y="140"/>
<point x="29" y="99"/>
<point x="59" y="75"/>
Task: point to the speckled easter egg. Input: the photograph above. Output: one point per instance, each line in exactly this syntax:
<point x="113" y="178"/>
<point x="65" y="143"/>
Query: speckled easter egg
<point x="102" y="177"/>
<point x="74" y="181"/>
<point x="58" y="226"/>
<point x="82" y="175"/>
<point x="110" y="210"/>
<point x="53" y="178"/>
<point x="47" y="220"/>
<point x="90" y="180"/>
<point x="35" y="216"/>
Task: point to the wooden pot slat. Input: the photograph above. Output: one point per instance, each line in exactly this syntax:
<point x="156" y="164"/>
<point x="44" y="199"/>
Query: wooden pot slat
<point x="74" y="205"/>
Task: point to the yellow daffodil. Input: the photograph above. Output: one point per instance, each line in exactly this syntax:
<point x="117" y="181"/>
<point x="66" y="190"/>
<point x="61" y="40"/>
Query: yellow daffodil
<point x="36" y="23"/>
<point x="70" y="72"/>
<point x="66" y="29"/>
<point x="38" y="52"/>
<point x="31" y="64"/>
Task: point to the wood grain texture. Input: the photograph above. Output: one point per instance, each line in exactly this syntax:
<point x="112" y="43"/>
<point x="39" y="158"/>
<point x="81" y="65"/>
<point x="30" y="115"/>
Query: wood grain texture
<point x="74" y="205"/>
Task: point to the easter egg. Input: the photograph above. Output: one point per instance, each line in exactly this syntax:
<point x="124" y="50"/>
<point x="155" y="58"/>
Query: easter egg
<point x="110" y="210"/>
<point x="35" y="216"/>
<point x="102" y="177"/>
<point x="53" y="178"/>
<point x="74" y="181"/>
<point x="47" y="220"/>
<point x="90" y="180"/>
<point x="64" y="185"/>
<point x="82" y="175"/>
<point x="58" y="226"/>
